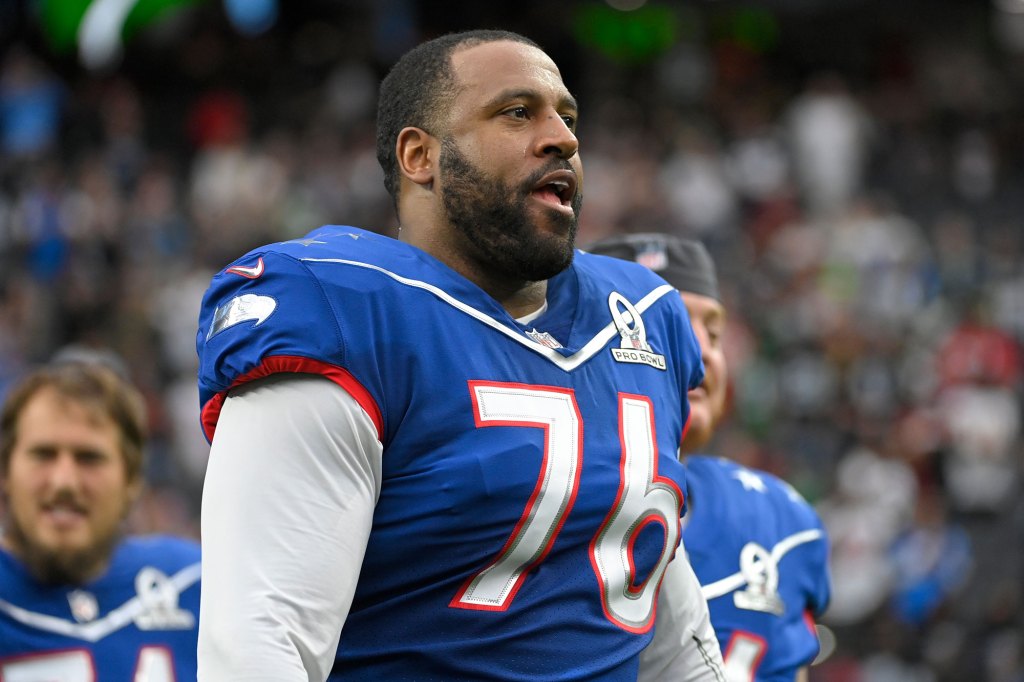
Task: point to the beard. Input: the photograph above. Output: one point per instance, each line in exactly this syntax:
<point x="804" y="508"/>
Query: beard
<point x="493" y="220"/>
<point x="58" y="566"/>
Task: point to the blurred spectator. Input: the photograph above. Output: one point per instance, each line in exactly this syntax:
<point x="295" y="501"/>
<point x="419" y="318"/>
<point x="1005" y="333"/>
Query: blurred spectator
<point x="872" y="504"/>
<point x="31" y="105"/>
<point x="932" y="559"/>
<point x="830" y="135"/>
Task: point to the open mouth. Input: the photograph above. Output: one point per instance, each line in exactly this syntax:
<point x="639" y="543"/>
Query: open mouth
<point x="62" y="515"/>
<point x="557" y="189"/>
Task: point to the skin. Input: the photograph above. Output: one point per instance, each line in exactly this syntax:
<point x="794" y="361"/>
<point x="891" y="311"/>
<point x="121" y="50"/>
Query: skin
<point x="707" y="401"/>
<point x="66" y="488"/>
<point x="470" y="195"/>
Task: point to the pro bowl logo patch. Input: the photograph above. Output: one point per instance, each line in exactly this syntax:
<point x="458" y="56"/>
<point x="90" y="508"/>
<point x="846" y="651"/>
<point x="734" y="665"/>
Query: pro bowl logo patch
<point x="633" y="346"/>
<point x="159" y="599"/>
<point x="761" y="571"/>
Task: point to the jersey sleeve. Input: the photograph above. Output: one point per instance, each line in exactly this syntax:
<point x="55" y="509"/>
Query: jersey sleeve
<point x="267" y="314"/>
<point x="684" y="647"/>
<point x="296" y="460"/>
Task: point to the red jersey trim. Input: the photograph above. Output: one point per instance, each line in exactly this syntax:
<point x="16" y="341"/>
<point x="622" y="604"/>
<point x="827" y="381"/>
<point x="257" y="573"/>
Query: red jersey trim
<point x="285" y="364"/>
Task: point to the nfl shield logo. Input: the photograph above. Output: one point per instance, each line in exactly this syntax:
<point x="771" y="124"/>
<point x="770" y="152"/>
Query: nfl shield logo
<point x="544" y="338"/>
<point x="654" y="257"/>
<point x="83" y="606"/>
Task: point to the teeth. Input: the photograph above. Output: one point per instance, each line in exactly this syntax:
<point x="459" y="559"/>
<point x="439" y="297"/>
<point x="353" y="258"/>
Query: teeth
<point x="559" y="187"/>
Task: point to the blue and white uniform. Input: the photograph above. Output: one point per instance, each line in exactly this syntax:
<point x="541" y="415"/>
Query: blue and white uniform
<point x="520" y="500"/>
<point x="138" y="621"/>
<point x="761" y="555"/>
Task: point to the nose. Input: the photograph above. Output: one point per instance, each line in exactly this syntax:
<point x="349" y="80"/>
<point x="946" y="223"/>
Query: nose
<point x="63" y="472"/>
<point x="557" y="138"/>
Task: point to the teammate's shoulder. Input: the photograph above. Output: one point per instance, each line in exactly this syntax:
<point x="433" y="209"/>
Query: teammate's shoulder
<point x="713" y="466"/>
<point x="168" y="552"/>
<point x="750" y="480"/>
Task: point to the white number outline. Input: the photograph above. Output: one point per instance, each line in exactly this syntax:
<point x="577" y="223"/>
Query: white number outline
<point x="643" y="498"/>
<point x="555" y="411"/>
<point x="154" y="663"/>
<point x="743" y="656"/>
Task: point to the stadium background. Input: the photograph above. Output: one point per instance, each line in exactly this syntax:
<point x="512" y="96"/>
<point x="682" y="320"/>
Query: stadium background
<point x="855" y="166"/>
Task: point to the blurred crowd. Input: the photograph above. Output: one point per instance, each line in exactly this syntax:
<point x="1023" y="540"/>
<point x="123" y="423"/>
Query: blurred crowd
<point x="864" y="212"/>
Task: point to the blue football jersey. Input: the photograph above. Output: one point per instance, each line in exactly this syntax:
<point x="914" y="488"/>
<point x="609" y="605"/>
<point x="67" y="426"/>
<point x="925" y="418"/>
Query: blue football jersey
<point x="531" y="491"/>
<point x="761" y="555"/>
<point x="138" y="621"/>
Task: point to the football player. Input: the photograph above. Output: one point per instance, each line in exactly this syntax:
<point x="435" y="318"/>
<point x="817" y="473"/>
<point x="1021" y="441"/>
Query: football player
<point x="757" y="547"/>
<point x="450" y="456"/>
<point x="79" y="601"/>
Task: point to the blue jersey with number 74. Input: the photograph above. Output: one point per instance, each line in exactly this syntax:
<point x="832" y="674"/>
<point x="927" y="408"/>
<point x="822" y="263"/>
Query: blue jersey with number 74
<point x="137" y="621"/>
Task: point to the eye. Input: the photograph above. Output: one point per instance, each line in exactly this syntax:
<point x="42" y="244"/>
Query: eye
<point x="518" y="112"/>
<point x="90" y="457"/>
<point x="714" y="335"/>
<point x="570" y="121"/>
<point x="43" y="453"/>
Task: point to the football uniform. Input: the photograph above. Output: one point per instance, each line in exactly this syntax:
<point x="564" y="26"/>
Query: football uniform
<point x="138" y="621"/>
<point x="530" y="491"/>
<point x="761" y="555"/>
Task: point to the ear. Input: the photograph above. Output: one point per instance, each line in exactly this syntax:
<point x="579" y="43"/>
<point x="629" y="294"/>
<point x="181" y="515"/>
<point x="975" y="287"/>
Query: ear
<point x="417" y="152"/>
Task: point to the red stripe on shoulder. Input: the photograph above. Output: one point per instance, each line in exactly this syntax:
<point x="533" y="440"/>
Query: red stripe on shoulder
<point x="293" y="364"/>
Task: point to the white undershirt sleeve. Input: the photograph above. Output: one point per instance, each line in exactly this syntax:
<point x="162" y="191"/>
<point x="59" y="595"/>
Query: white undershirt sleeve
<point x="684" y="648"/>
<point x="293" y="478"/>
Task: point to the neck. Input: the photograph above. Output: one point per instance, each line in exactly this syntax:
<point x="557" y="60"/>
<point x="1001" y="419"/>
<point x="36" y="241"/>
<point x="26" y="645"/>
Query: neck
<point x="527" y="299"/>
<point x="518" y="297"/>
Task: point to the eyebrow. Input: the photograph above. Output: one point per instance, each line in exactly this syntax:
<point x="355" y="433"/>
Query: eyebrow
<point x="566" y="101"/>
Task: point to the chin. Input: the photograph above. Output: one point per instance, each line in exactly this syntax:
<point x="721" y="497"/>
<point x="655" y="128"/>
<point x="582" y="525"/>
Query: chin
<point x="699" y="431"/>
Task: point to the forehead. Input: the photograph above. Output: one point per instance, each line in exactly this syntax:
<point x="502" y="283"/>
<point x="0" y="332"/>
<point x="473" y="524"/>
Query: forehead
<point x="495" y="67"/>
<point x="702" y="307"/>
<point x="49" y="412"/>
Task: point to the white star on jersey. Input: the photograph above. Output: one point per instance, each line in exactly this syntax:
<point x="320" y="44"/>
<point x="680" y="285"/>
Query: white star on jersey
<point x="750" y="480"/>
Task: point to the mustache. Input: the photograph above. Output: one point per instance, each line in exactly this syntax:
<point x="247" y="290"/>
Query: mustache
<point x="65" y="499"/>
<point x="555" y="165"/>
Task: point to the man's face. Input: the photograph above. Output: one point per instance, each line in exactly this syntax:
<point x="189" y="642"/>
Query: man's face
<point x="66" y="488"/>
<point x="707" y="401"/>
<point x="510" y="173"/>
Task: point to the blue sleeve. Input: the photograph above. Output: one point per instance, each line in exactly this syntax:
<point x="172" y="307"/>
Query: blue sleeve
<point x="264" y="314"/>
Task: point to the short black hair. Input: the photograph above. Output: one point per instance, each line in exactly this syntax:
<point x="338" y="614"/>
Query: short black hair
<point x="418" y="89"/>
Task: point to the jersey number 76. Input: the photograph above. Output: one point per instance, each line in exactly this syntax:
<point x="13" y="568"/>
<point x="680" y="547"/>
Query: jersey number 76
<point x="643" y="498"/>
